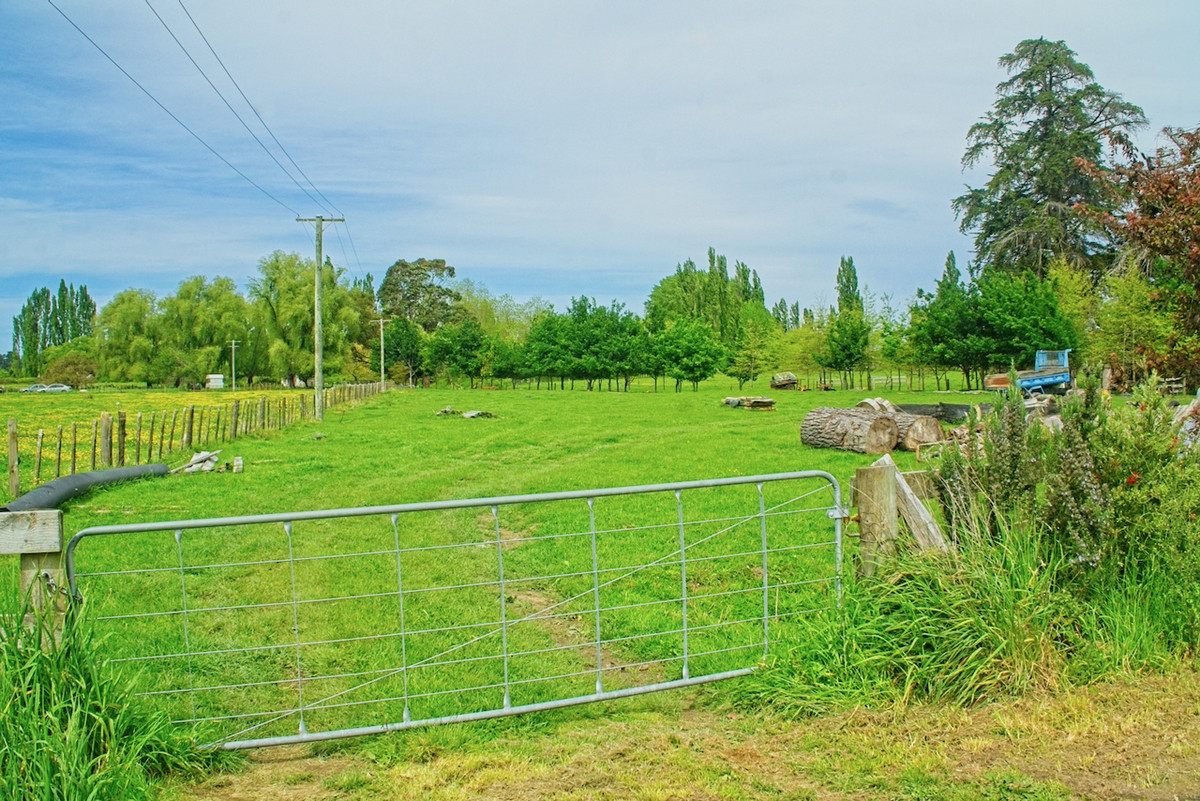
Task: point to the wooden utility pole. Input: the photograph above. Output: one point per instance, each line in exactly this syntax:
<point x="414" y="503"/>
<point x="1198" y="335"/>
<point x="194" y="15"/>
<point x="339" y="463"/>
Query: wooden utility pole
<point x="318" y="333"/>
<point x="233" y="365"/>
<point x="381" y="321"/>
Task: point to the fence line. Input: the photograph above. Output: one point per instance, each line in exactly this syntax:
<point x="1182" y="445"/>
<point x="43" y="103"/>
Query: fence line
<point x="194" y="426"/>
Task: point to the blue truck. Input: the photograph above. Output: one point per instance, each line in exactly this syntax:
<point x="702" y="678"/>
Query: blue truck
<point x="1051" y="373"/>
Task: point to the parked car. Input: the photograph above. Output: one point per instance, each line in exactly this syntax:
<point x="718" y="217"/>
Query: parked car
<point x="35" y="388"/>
<point x="56" y="388"/>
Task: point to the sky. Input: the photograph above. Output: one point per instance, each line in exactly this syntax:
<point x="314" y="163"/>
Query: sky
<point x="544" y="149"/>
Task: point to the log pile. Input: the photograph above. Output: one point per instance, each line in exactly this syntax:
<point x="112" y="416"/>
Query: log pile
<point x="914" y="430"/>
<point x="858" y="429"/>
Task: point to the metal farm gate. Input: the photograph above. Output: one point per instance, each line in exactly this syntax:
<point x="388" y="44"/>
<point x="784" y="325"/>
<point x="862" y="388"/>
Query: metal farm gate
<point x="287" y="628"/>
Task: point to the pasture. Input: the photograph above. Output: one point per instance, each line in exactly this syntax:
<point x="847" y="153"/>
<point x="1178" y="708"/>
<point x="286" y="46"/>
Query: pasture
<point x="393" y="450"/>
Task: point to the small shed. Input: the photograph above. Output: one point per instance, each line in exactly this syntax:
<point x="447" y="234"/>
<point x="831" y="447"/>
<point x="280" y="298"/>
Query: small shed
<point x="214" y="381"/>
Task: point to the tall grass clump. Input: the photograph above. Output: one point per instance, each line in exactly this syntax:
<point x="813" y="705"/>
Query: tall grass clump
<point x="1077" y="557"/>
<point x="69" y="726"/>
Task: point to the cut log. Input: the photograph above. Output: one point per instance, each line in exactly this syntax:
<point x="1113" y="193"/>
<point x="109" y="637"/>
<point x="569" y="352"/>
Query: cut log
<point x="877" y="404"/>
<point x="859" y="430"/>
<point x="913" y="431"/>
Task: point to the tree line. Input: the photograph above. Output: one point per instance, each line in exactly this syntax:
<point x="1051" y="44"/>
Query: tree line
<point x="1080" y="242"/>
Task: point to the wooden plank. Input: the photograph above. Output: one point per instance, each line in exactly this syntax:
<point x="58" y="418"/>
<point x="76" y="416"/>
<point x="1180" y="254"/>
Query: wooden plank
<point x="920" y="522"/>
<point x="34" y="531"/>
<point x="921" y="482"/>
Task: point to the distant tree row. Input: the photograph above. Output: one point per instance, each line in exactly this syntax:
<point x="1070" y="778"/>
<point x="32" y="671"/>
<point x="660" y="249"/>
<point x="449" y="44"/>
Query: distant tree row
<point x="1080" y="242"/>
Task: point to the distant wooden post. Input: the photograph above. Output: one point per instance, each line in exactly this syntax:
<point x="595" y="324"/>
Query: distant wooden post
<point x="262" y="412"/>
<point x="879" y="524"/>
<point x="120" y="439"/>
<point x="14" y="459"/>
<point x="233" y="419"/>
<point x="37" y="536"/>
<point x="106" y="426"/>
<point x="37" y="456"/>
<point x="58" y="455"/>
<point x="137" y="459"/>
<point x="189" y="415"/>
<point x="93" y="462"/>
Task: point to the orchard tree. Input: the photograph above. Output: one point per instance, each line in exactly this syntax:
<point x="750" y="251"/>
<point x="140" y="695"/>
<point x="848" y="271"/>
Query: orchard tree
<point x="402" y="342"/>
<point x="754" y="345"/>
<point x="690" y="351"/>
<point x="1048" y="115"/>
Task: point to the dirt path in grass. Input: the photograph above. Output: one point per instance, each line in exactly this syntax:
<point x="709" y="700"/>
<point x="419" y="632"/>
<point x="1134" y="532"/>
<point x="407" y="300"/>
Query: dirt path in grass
<point x="1139" y="739"/>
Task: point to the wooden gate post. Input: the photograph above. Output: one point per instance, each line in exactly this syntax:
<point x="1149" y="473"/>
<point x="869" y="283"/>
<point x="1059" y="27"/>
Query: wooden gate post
<point x="37" y="535"/>
<point x="878" y="522"/>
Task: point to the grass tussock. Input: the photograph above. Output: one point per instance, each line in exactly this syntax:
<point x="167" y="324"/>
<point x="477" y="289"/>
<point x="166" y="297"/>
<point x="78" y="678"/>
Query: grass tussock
<point x="1074" y="571"/>
<point x="70" y="727"/>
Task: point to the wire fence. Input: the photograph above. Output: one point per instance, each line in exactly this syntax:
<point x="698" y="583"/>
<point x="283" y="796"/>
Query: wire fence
<point x="277" y="629"/>
<point x="122" y="439"/>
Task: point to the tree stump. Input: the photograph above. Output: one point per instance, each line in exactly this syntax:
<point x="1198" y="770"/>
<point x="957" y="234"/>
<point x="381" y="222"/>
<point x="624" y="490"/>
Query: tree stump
<point x="859" y="430"/>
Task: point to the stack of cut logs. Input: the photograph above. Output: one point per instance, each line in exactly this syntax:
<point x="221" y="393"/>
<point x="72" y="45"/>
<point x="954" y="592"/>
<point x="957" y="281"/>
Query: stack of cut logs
<point x="875" y="425"/>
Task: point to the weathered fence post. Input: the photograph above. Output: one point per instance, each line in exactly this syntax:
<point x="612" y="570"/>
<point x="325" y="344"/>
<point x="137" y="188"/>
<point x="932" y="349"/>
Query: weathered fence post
<point x="37" y="535"/>
<point x="262" y="412"/>
<point x="93" y="462"/>
<point x="106" y="439"/>
<point x="189" y="415"/>
<point x="137" y="459"/>
<point x="878" y="521"/>
<point x="14" y="459"/>
<point x="37" y="457"/>
<point x="120" y="439"/>
<point x="58" y="455"/>
<point x="233" y="419"/>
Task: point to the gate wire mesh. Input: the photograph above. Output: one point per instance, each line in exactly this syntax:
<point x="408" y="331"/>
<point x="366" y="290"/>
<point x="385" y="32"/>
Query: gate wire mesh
<point x="275" y="629"/>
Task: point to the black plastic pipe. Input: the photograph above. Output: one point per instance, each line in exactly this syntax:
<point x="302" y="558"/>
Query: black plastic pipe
<point x="53" y="493"/>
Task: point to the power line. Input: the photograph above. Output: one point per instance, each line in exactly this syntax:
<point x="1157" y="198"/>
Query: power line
<point x="271" y="133"/>
<point x="168" y="112"/>
<point x="256" y="114"/>
<point x="232" y="110"/>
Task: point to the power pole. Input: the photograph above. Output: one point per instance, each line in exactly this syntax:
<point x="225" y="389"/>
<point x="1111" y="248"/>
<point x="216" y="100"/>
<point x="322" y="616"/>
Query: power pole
<point x="233" y="365"/>
<point x="318" y="333"/>
<point x="381" y="321"/>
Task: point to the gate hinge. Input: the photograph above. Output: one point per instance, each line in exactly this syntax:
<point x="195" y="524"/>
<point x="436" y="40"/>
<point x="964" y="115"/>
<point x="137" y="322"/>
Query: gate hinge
<point x="838" y="513"/>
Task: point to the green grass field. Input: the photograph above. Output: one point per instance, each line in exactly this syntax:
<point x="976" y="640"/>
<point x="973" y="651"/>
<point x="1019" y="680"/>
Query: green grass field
<point x="394" y="450"/>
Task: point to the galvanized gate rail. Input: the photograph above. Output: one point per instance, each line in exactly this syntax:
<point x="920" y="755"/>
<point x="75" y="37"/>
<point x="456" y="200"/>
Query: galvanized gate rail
<point x="241" y="632"/>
